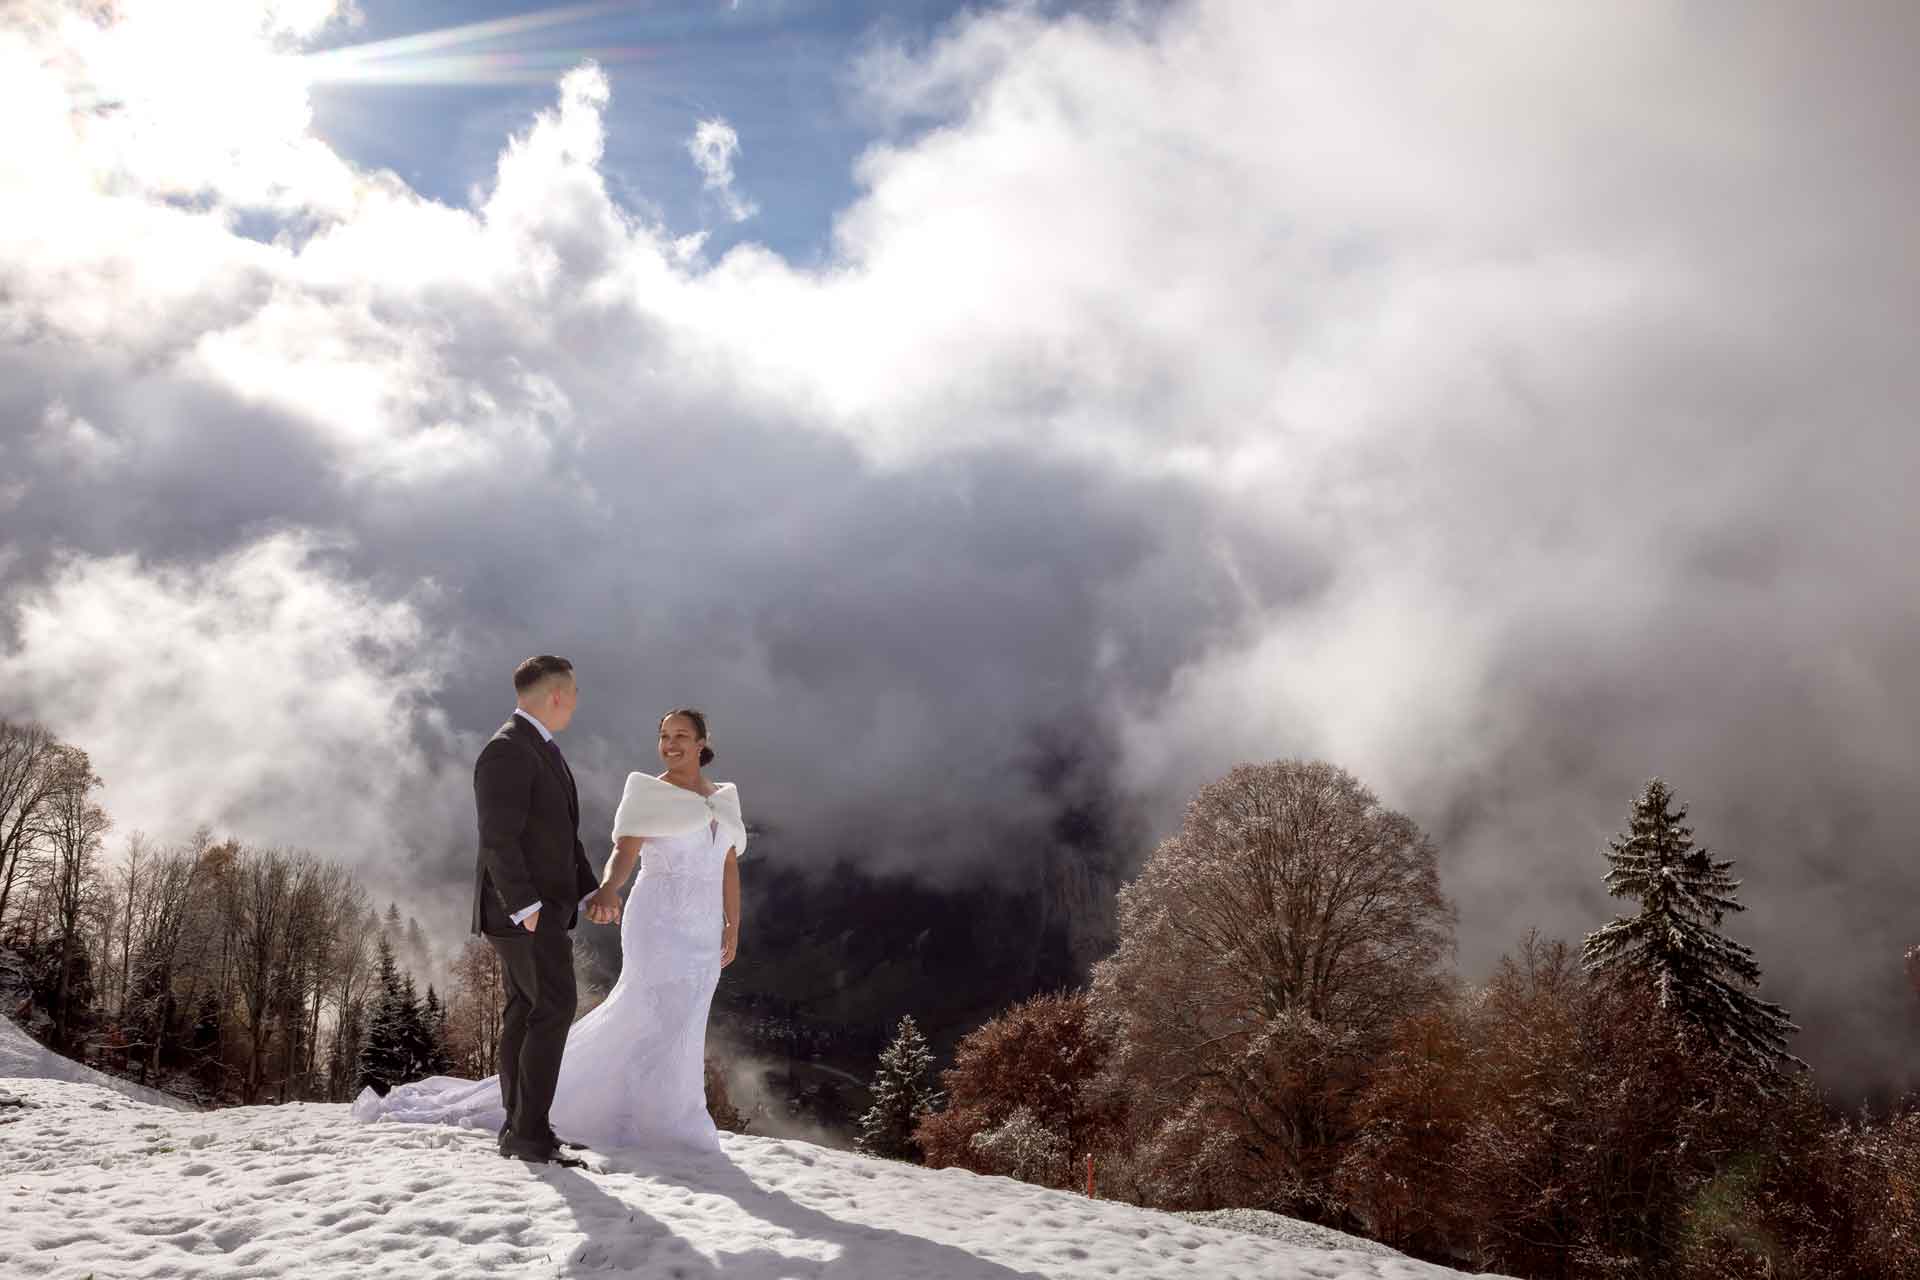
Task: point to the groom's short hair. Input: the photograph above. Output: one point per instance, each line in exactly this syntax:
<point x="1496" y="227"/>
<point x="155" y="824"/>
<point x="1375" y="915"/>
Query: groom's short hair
<point x="534" y="670"/>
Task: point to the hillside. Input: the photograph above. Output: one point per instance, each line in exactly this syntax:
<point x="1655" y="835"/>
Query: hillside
<point x="23" y="1057"/>
<point x="100" y="1183"/>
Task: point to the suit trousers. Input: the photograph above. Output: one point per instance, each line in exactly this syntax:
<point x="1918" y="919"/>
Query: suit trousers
<point x="537" y="974"/>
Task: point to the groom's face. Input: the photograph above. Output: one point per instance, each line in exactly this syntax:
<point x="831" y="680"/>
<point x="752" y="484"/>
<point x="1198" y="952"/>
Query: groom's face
<point x="560" y="704"/>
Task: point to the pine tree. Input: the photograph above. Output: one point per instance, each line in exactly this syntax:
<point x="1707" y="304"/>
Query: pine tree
<point x="1674" y="945"/>
<point x="385" y="1056"/>
<point x="419" y="953"/>
<point x="433" y="1020"/>
<point x="902" y="1092"/>
<point x="416" y="1032"/>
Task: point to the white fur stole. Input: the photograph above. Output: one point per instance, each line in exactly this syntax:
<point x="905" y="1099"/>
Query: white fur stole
<point x="650" y="807"/>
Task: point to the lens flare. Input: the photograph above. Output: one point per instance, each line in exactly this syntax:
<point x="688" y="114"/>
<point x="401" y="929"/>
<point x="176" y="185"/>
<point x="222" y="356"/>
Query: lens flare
<point x="461" y="56"/>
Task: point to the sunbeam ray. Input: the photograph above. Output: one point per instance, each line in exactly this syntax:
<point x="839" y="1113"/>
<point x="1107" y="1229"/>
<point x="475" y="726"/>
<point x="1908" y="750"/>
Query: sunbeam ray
<point x="503" y="68"/>
<point x="447" y="56"/>
<point x="477" y="32"/>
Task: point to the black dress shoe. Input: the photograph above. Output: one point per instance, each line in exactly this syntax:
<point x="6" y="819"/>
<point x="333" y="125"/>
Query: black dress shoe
<point x="553" y="1138"/>
<point x="512" y="1144"/>
<point x="556" y="1157"/>
<point x="535" y="1152"/>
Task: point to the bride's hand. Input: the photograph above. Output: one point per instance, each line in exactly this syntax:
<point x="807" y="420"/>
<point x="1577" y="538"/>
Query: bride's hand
<point x="603" y="907"/>
<point x="729" y="944"/>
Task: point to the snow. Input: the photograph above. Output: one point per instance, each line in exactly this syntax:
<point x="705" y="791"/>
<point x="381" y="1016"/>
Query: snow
<point x="23" y="1056"/>
<point x="96" y="1182"/>
<point x="1277" y="1226"/>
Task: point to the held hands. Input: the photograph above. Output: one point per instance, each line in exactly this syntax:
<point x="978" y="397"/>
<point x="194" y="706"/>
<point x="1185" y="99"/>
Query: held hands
<point x="532" y="922"/>
<point x="604" y="907"/>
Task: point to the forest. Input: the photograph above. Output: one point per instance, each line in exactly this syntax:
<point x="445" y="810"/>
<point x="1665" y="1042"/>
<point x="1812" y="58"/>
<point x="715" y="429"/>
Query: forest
<point x="218" y="971"/>
<point x="1278" y="1025"/>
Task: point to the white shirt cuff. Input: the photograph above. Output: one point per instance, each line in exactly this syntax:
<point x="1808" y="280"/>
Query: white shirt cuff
<point x="523" y="913"/>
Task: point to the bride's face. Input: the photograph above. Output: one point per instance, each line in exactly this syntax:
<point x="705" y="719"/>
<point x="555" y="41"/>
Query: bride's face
<point x="679" y="747"/>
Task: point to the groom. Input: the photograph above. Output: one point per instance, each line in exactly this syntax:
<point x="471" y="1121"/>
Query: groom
<point x="532" y="874"/>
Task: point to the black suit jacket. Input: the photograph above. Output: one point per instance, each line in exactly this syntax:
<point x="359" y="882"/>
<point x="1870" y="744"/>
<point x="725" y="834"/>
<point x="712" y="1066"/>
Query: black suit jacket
<point x="530" y="848"/>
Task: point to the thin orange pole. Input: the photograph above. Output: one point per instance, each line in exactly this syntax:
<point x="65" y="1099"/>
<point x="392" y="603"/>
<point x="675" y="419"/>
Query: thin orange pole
<point x="1089" y="1175"/>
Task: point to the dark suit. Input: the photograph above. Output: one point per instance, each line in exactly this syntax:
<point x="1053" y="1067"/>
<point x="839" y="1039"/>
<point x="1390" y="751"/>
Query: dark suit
<point x="530" y="851"/>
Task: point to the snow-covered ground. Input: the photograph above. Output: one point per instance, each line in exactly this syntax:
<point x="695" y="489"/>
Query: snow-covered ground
<point x="1276" y="1226"/>
<point x="21" y="1056"/>
<point x="93" y="1182"/>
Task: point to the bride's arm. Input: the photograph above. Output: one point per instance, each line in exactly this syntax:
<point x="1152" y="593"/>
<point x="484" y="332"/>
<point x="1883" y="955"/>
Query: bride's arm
<point x="730" y="904"/>
<point x="620" y="863"/>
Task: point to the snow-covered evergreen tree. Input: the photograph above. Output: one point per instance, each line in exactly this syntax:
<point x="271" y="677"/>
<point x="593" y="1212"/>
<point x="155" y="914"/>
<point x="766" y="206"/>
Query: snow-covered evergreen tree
<point x="416" y="1041"/>
<point x="433" y="1023"/>
<point x="1674" y="945"/>
<point x="385" y="1051"/>
<point x="902" y="1092"/>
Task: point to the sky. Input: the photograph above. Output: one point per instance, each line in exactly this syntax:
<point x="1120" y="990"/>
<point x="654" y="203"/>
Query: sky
<point x="777" y="73"/>
<point x="1507" y="403"/>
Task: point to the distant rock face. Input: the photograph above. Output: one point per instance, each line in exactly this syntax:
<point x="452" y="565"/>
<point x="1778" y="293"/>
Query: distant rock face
<point x="1094" y="833"/>
<point x="1077" y="895"/>
<point x="836" y="957"/>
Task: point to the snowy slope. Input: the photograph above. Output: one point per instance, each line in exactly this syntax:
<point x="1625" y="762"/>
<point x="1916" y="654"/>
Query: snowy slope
<point x="95" y="1183"/>
<point x="23" y="1056"/>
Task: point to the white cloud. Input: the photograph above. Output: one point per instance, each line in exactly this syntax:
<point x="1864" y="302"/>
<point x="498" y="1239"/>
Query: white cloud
<point x="713" y="146"/>
<point x="264" y="692"/>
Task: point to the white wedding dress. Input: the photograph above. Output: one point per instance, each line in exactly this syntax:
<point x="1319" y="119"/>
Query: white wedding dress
<point x="634" y="1070"/>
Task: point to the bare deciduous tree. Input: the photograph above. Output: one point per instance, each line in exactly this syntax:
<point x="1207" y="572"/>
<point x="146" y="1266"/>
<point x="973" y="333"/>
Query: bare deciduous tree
<point x="473" y="1018"/>
<point x="73" y="827"/>
<point x="161" y="914"/>
<point x="337" y="907"/>
<point x="350" y="975"/>
<point x="28" y="778"/>
<point x="1265" y="953"/>
<point x="273" y="891"/>
<point x="129" y="898"/>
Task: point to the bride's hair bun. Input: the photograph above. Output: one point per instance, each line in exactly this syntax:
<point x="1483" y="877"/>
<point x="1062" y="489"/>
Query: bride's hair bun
<point x="698" y="720"/>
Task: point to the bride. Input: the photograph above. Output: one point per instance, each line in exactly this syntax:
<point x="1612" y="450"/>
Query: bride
<point x="633" y="1073"/>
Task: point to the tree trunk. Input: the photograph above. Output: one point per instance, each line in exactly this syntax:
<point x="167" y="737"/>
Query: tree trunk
<point x="60" y="999"/>
<point x="313" y="1031"/>
<point x="6" y="883"/>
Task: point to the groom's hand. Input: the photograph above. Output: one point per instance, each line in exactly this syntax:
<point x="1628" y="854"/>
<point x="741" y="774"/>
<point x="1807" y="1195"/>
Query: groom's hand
<point x="532" y="922"/>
